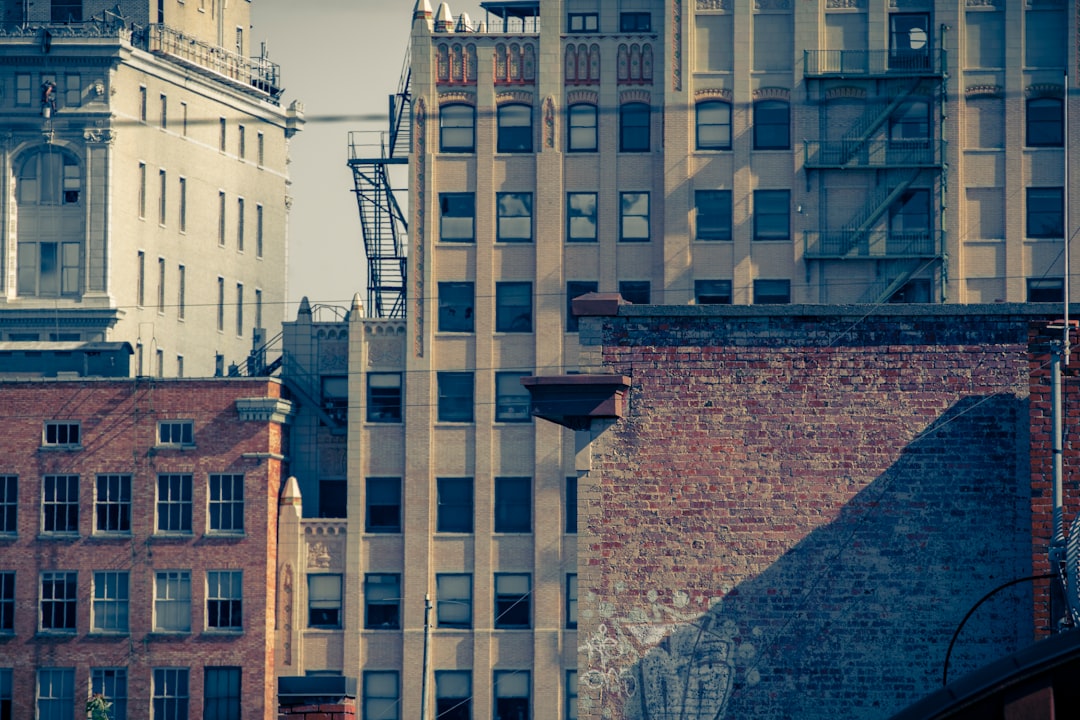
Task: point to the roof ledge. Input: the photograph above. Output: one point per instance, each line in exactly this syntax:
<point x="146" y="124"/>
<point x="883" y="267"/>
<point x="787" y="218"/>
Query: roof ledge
<point x="574" y="401"/>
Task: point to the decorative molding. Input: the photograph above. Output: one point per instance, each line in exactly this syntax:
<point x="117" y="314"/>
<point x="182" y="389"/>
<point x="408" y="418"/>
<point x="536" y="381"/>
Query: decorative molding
<point x="629" y="96"/>
<point x="772" y="4"/>
<point x="713" y="94"/>
<point x="318" y="556"/>
<point x="713" y="5"/>
<point x="99" y="136"/>
<point x="549" y="122"/>
<point x="772" y="93"/>
<point x="845" y="92"/>
<point x="844" y="4"/>
<point x="582" y="96"/>
<point x="909" y="4"/>
<point x="287" y="601"/>
<point x="1044" y="4"/>
<point x="1040" y="90"/>
<point x="981" y="4"/>
<point x="989" y="90"/>
<point x="514" y="96"/>
<point x="275" y="410"/>
<point x="384" y="352"/>
<point x="457" y="97"/>
<point x="676" y="45"/>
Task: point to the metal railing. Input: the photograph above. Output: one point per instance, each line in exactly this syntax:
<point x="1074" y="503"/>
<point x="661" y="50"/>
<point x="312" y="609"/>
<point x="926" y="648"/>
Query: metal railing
<point x="880" y="153"/>
<point x="258" y="73"/>
<point x="871" y="63"/>
<point x="878" y="244"/>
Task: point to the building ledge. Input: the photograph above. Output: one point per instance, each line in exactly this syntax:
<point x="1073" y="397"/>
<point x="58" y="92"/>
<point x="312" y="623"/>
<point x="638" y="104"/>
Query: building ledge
<point x="574" y="401"/>
<point x="265" y="409"/>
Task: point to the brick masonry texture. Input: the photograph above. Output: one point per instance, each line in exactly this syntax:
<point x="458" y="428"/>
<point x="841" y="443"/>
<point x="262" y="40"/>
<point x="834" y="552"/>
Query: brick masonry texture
<point x="799" y="508"/>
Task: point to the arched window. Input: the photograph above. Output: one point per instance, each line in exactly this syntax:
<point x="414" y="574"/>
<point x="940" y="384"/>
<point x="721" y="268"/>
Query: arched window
<point x="634" y="127"/>
<point x="581" y="128"/>
<point x="1045" y="122"/>
<point x="772" y="125"/>
<point x="713" y="125"/>
<point x="51" y="224"/>
<point x="457" y="128"/>
<point x="515" y="128"/>
<point x="49" y="177"/>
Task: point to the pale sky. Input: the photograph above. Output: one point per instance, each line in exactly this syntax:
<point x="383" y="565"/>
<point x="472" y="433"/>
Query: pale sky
<point x="341" y="59"/>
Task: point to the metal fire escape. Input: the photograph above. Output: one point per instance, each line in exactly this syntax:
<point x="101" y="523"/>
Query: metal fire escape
<point x="382" y="219"/>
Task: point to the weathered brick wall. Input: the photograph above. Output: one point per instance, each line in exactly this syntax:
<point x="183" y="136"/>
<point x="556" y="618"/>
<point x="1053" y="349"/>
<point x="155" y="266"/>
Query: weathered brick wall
<point x="799" y="509"/>
<point x="344" y="710"/>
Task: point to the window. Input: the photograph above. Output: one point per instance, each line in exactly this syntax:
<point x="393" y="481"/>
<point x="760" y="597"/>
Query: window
<point x="22" y="89"/>
<point x="455" y="397"/>
<point x="174" y="503"/>
<point x="161" y="286"/>
<point x="511" y="398"/>
<point x="455" y="505"/>
<point x="636" y="292"/>
<point x="581" y="128"/>
<point x="571" y="695"/>
<point x="162" y="195"/>
<point x="457" y="215"/>
<point x="712" y="292"/>
<point x="384" y="397"/>
<point x="239" y="310"/>
<point x="333" y="498"/>
<point x="771" y="125"/>
<point x="581" y="217"/>
<point x="457" y="128"/>
<point x="514" y="212"/>
<point x="772" y="292"/>
<point x="176" y="432"/>
<point x="582" y="22"/>
<point x="453" y="695"/>
<point x="49" y="261"/>
<point x="224" y="600"/>
<point x="7" y="606"/>
<point x="72" y="90"/>
<point x="112" y="684"/>
<point x="515" y="128"/>
<point x="61" y="433"/>
<point x="163" y="116"/>
<point x="635" y="22"/>
<point x="259" y="232"/>
<point x="382" y="601"/>
<point x="381" y="700"/>
<point x="909" y="41"/>
<point x="183" y="118"/>
<point x="1045" y="212"/>
<point x="771" y="214"/>
<point x="241" y="132"/>
<point x="913" y="291"/>
<point x="453" y="600"/>
<point x="713" y="214"/>
<point x="221" y="219"/>
<point x="571" y="601"/>
<point x="713" y="121"/>
<point x="240" y="224"/>
<point x="109" y="613"/>
<point x="511" y="695"/>
<point x="513" y="504"/>
<point x="59" y="599"/>
<point x="170" y="694"/>
<point x="261" y="148"/>
<point x="55" y="693"/>
<point x="456" y="307"/>
<point x="258" y="308"/>
<point x="142" y="103"/>
<point x="159" y="362"/>
<point x="221" y="693"/>
<point x="512" y="593"/>
<point x="1046" y="290"/>
<point x="574" y="289"/>
<point x="513" y="307"/>
<point x="634" y="127"/>
<point x="909" y="221"/>
<point x="324" y="601"/>
<point x="60" y="504"/>
<point x="140" y="280"/>
<point x="9" y="504"/>
<point x="221" y="304"/>
<point x="226" y="505"/>
<point x="634" y="217"/>
<point x="570" y="506"/>
<point x="383" y="512"/>
<point x="50" y="177"/>
<point x="142" y="190"/>
<point x="909" y="126"/>
<point x="221" y="134"/>
<point x="181" y="300"/>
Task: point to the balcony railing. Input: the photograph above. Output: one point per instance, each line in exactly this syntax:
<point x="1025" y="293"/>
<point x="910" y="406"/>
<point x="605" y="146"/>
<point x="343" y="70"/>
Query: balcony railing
<point x="255" y="73"/>
<point x="879" y="244"/>
<point x="880" y="153"/>
<point x="873" y="63"/>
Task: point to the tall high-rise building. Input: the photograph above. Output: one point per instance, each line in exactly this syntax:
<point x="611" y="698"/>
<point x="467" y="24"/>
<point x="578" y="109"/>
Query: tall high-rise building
<point x="145" y="182"/>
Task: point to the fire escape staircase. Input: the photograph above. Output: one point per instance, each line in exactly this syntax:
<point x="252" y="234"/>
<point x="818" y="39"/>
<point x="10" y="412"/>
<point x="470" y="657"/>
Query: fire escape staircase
<point x="865" y="236"/>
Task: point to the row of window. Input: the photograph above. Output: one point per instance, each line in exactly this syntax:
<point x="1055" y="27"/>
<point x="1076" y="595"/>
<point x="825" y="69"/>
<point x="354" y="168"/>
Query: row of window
<point x="58" y="601"/>
<point x="241" y="131"/>
<point x="67" y="434"/>
<point x="112" y="512"/>
<point x="56" y="696"/>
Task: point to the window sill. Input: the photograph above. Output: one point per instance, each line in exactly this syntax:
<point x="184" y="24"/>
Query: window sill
<point x="169" y="537"/>
<point x="55" y="635"/>
<point x="167" y="635"/>
<point x="60" y="448"/>
<point x="323" y="629"/>
<point x="108" y="634"/>
<point x="123" y="536"/>
<point x="224" y="536"/>
<point x="224" y="633"/>
<point x="8" y="537"/>
<point x="59" y="537"/>
<point x="159" y="448"/>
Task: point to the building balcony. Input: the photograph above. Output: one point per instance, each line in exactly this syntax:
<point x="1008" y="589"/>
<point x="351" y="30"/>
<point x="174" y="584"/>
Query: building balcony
<point x="872" y="154"/>
<point x="876" y="244"/>
<point x="873" y="63"/>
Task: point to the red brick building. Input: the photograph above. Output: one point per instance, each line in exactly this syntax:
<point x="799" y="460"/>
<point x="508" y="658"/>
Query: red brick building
<point x="138" y="546"/>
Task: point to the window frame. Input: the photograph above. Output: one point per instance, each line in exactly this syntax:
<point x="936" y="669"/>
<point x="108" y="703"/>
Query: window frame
<point x="700" y="287"/>
<point x="582" y="128"/>
<point x="382" y="611"/>
<point x="384" y="402"/>
<point x="571" y="601"/>
<point x="58" y="612"/>
<point x="1044" y="289"/>
<point x="224" y="601"/>
<point x="505" y="220"/>
<point x="767" y="219"/>
<point x="635" y="22"/>
<point x="59" y="704"/>
<point x="455" y="405"/>
<point x="391" y="487"/>
<point x="326" y="602"/>
<point x="382" y="706"/>
<point x="112" y="684"/>
<point x="446" y="129"/>
<point x="1036" y="119"/>
<point x="510" y="603"/>
<point x="508" y="405"/>
<point x="577" y="210"/>
<point x="60" y="515"/>
<point x="774" y="298"/>
<point x="636" y="292"/>
<point x="571" y="695"/>
<point x="700" y="123"/>
<point x="110" y="611"/>
<point x="635" y="136"/>
<point x="175" y="433"/>
<point x="513" y="317"/>
<point x="225" y="515"/>
<point x="173" y="606"/>
<point x="222" y="692"/>
<point x="174" y="504"/>
<point x="508" y="705"/>
<point x="455" y="505"/>
<point x="9" y="504"/>
<point x="449" y="599"/>
<point x="456" y="306"/>
<point x="457" y="202"/>
<point x="512" y="506"/>
<point x="7" y="602"/>
<point x="770" y="115"/>
<point x="1056" y="215"/>
<point x="584" y="25"/>
<point x="170" y="693"/>
<point x="453" y="703"/>
<point x="713" y="226"/>
<point x="570" y="519"/>
<point x="61" y="434"/>
<point x="513" y="135"/>
<point x="628" y="219"/>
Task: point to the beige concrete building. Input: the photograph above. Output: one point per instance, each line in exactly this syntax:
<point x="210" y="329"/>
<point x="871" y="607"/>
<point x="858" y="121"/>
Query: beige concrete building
<point x="144" y="179"/>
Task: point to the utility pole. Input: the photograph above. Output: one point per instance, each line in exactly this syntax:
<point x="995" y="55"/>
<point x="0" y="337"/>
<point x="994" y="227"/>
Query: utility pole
<point x="424" y="672"/>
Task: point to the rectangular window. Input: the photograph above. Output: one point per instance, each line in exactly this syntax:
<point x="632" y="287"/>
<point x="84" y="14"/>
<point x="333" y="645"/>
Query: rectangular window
<point x="22" y="89"/>
<point x="258" y="231"/>
<point x="333" y="498"/>
<point x="571" y="695"/>
<point x="581" y="217"/>
<point x="382" y="601"/>
<point x="179" y="366"/>
<point x="62" y="433"/>
<point x="574" y="289"/>
<point x="457" y="217"/>
<point x="455" y="397"/>
<point x="909" y="41"/>
<point x="457" y="128"/>
<point x="164" y="116"/>
<point x="159" y="360"/>
<point x="383" y="500"/>
<point x="225" y="600"/>
<point x="141" y="201"/>
<point x="571" y="601"/>
<point x="140" y="280"/>
<point x="324" y="601"/>
<point x="226" y="505"/>
<point x="258" y="308"/>
<point x="183" y="118"/>
<point x="161" y="286"/>
<point x="712" y="292"/>
<point x="634" y="22"/>
<point x="512" y="695"/>
<point x="381" y="697"/>
<point x="174" y="503"/>
<point x="713" y="125"/>
<point x="713" y="214"/>
<point x="221" y="134"/>
<point x="142" y="103"/>
<point x="582" y="22"/>
<point x="1045" y="212"/>
<point x="513" y="307"/>
<point x="384" y="397"/>
<point x="112" y="504"/>
<point x="772" y="210"/>
<point x="221" y="218"/>
<point x="59" y="600"/>
<point x="1045" y="122"/>
<point x="772" y="292"/>
<point x="260" y="149"/>
<point x="455" y="505"/>
<point x="112" y="684"/>
<point x="72" y="90"/>
<point x="183" y="205"/>
<point x="221" y="693"/>
<point x="170" y="694"/>
<point x="7" y="605"/>
<point x="453" y="695"/>
<point x="453" y="600"/>
<point x="1046" y="290"/>
<point x="172" y="601"/>
<point x="636" y="292"/>
<point x="55" y="693"/>
<point x="239" y="310"/>
<point x="635" y="127"/>
<point x="511" y="398"/>
<point x="571" y="506"/>
<point x="241" y="133"/>
<point x="221" y="304"/>
<point x="240" y="224"/>
<point x="9" y="504"/>
<point x="176" y="432"/>
<point x="456" y="307"/>
<point x="514" y="221"/>
<point x="180" y="293"/>
<point x="60" y="504"/>
<point x="634" y="217"/>
<point x="515" y="132"/>
<point x="512" y="596"/>
<point x="513" y="504"/>
<point x="581" y="127"/>
<point x="109" y="613"/>
<point x="772" y="125"/>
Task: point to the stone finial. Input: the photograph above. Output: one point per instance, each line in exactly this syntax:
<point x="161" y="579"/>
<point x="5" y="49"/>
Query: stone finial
<point x="464" y="23"/>
<point x="356" y="312"/>
<point x="422" y="10"/>
<point x="444" y="20"/>
<point x="290" y="493"/>
<point x="305" y="309"/>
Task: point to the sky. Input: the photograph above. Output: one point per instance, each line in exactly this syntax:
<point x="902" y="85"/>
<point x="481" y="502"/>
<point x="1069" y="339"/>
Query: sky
<point x="341" y="59"/>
